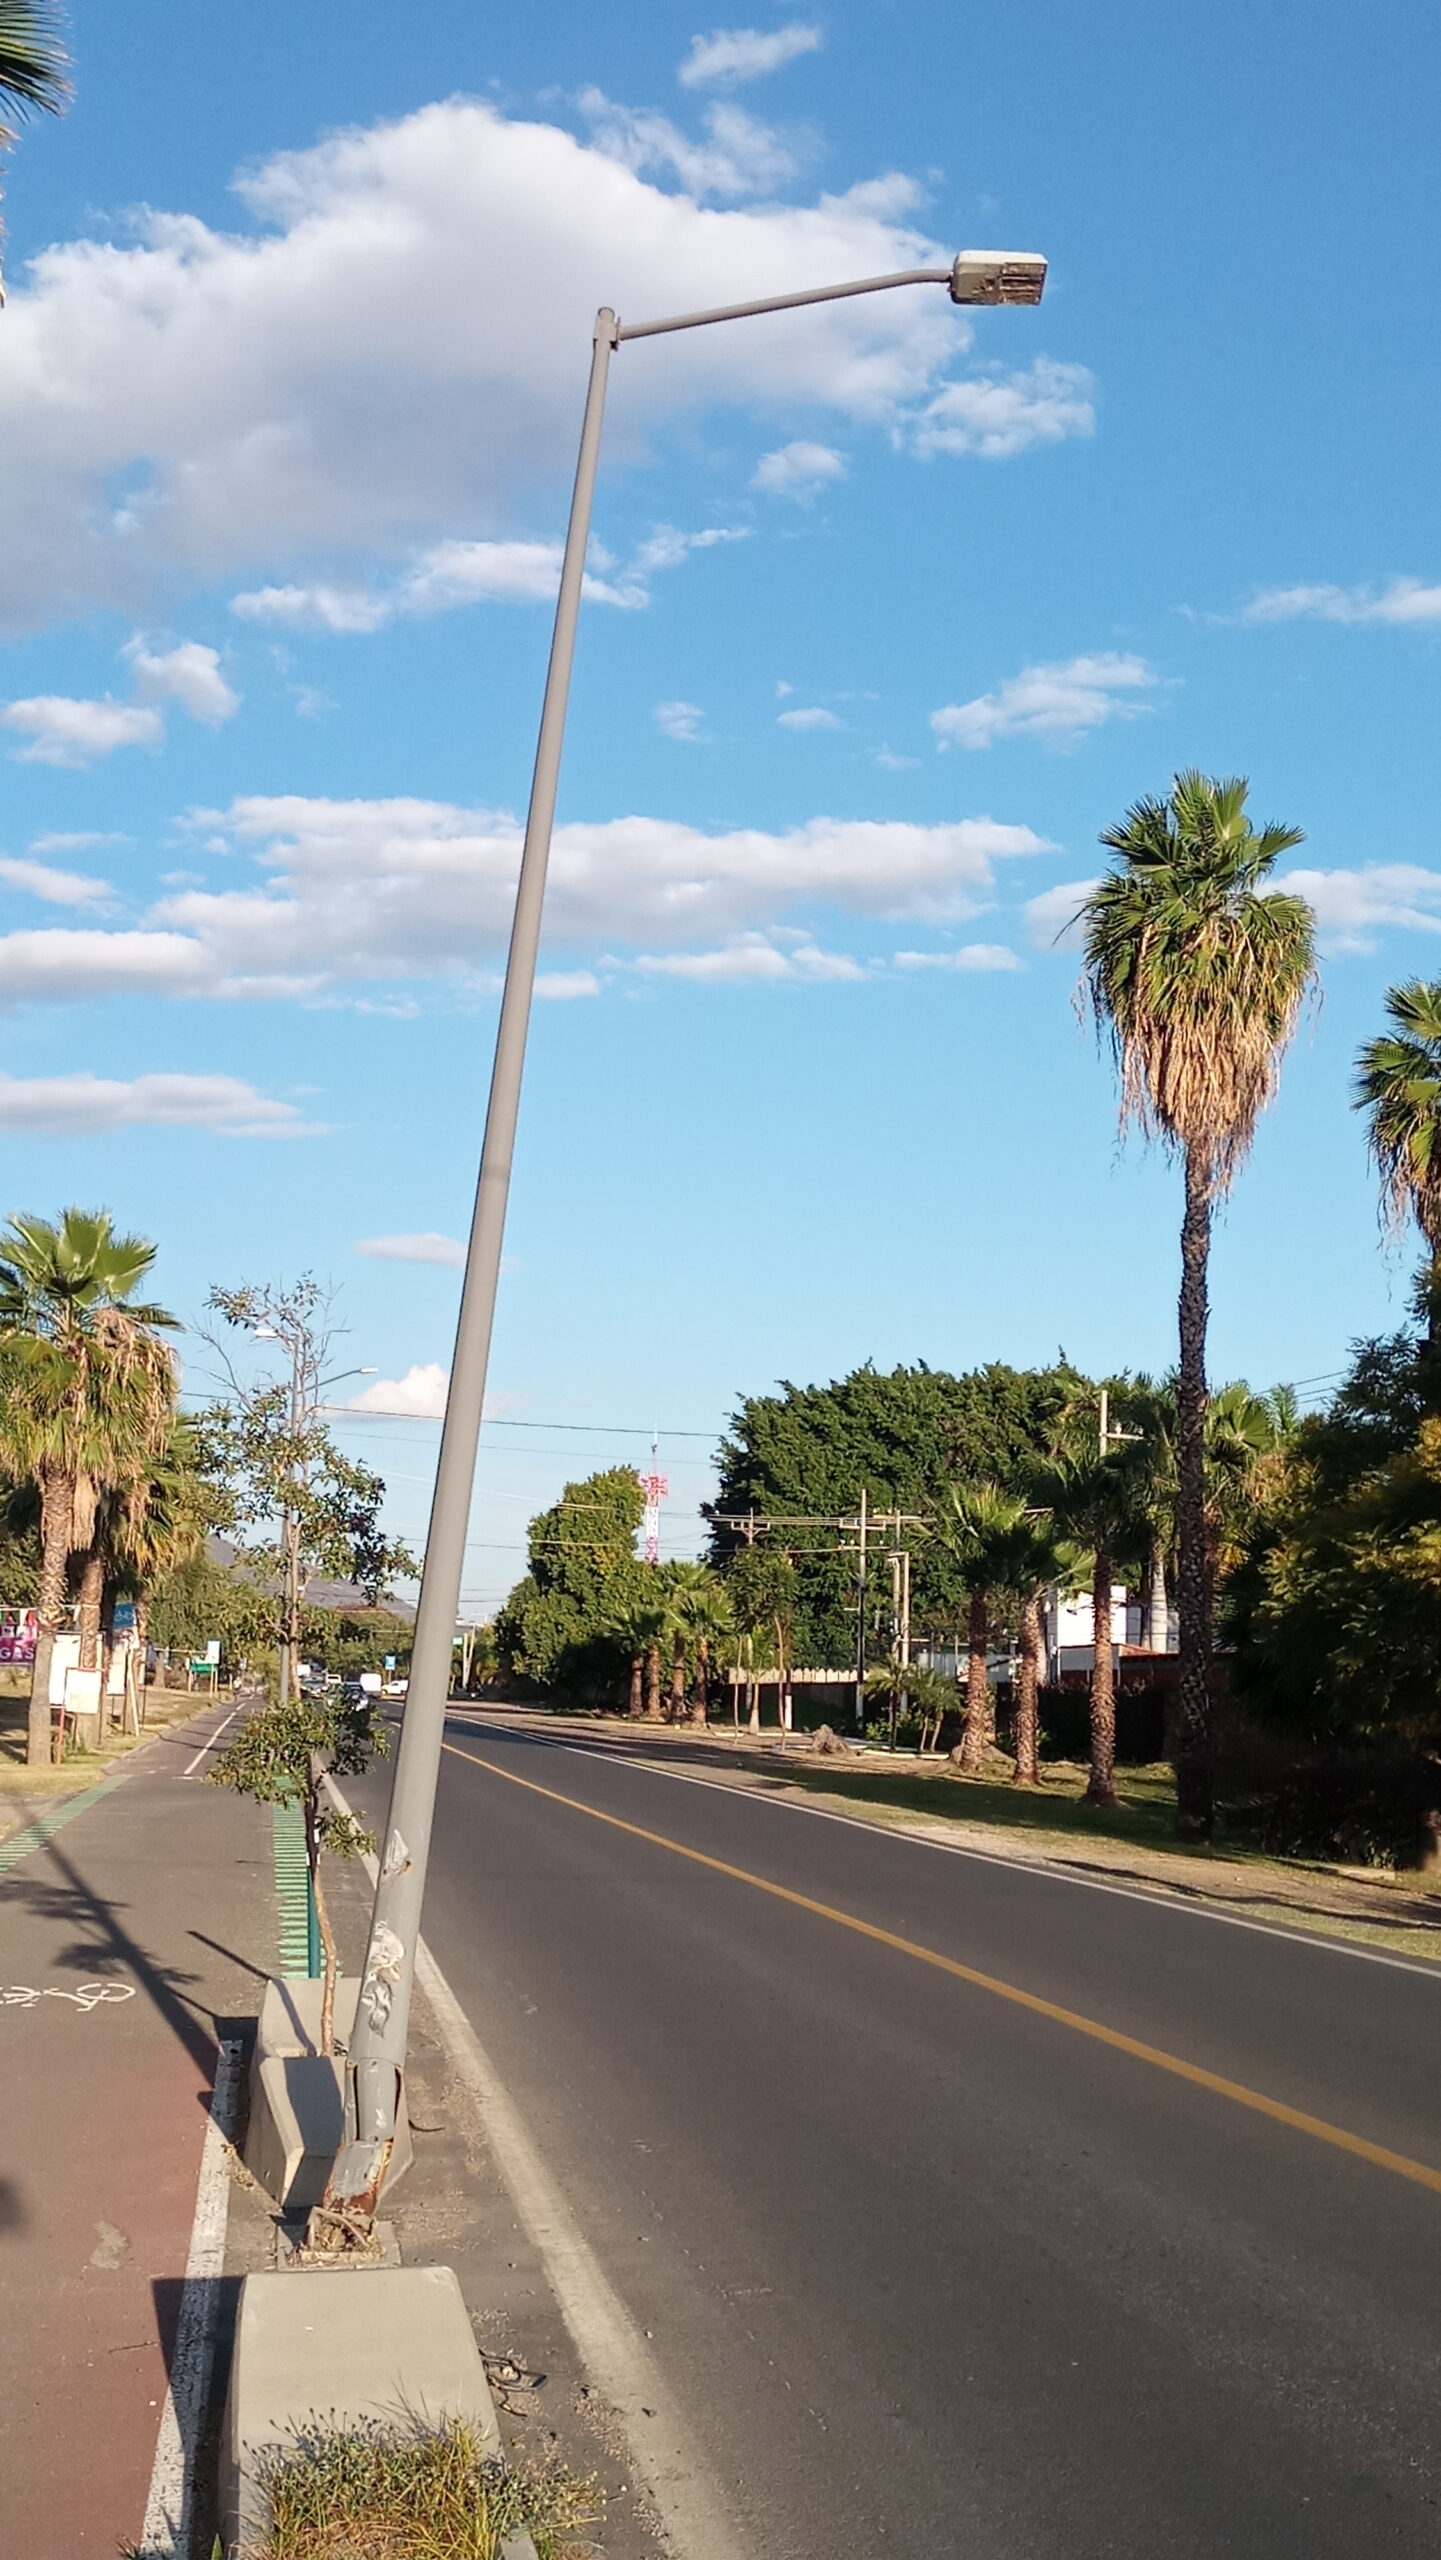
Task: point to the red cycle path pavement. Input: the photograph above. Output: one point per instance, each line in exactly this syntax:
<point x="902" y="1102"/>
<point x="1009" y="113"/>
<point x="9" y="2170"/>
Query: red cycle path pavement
<point x="127" y="1939"/>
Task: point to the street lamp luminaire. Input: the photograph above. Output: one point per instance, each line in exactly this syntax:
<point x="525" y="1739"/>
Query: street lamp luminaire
<point x="377" y="2054"/>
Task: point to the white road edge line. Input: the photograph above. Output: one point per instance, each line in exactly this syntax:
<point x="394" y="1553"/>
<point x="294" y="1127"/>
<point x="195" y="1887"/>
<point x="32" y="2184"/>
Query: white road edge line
<point x="192" y="1765"/>
<point x="1155" y="1900"/>
<point x="168" y="2532"/>
<point x="606" y="2338"/>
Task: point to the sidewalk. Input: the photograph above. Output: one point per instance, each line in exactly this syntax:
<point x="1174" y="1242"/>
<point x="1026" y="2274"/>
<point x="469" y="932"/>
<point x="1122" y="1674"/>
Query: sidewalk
<point x="136" y="1922"/>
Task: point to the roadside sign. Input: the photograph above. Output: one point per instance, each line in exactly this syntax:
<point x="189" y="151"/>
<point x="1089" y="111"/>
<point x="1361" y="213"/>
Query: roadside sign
<point x="390" y="1662"/>
<point x="212" y="1650"/>
<point x="122" y="1618"/>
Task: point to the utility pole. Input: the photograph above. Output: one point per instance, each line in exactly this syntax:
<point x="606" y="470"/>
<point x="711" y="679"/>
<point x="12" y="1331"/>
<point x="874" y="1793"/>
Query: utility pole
<point x="861" y="1619"/>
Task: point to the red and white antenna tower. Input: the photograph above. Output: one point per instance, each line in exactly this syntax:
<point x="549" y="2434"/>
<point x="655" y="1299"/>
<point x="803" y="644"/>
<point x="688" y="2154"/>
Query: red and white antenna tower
<point x="653" y="1486"/>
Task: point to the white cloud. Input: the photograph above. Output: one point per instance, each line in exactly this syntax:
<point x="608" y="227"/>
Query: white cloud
<point x="894" y="763"/>
<point x="749" y="956"/>
<point x="83" y="1105"/>
<point x="1060" y="701"/>
<point x="83" y="842"/>
<point x="62" y="964"/>
<point x="1405" y="600"/>
<point x="1052" y="919"/>
<point x="798" y="470"/>
<point x="318" y="608"/>
<point x="678" y="720"/>
<point x="65" y="732"/>
<point x="997" y="415"/>
<point x="58" y="888"/>
<point x="427" y="1246"/>
<point x="377" y="891"/>
<point x="739" y="157"/>
<point x="450" y="574"/>
<point x="189" y="675"/>
<point x="811" y="717"/>
<point x="745" y="53"/>
<point x="420" y="1392"/>
<point x="970" y="955"/>
<point x="562" y="986"/>
<point x="1352" y="907"/>
<point x="396" y="346"/>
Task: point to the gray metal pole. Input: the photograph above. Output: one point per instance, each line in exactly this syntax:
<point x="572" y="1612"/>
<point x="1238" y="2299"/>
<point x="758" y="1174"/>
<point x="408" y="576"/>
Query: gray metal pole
<point x="378" y="2049"/>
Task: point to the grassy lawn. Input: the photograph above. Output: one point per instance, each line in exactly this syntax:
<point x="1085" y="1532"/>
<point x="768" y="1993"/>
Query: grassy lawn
<point x="1145" y="1816"/>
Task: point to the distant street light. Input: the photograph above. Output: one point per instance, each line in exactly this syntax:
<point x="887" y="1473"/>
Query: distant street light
<point x="377" y="2053"/>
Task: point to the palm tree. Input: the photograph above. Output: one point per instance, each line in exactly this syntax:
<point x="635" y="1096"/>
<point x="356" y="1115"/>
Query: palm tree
<point x="1037" y="1557"/>
<point x="91" y="1393"/>
<point x="34" y="66"/>
<point x="641" y="1626"/>
<point x="161" y="1522"/>
<point x="1198" y="972"/>
<point x="1096" y="1501"/>
<point x="977" y="1525"/>
<point x="702" y="1614"/>
<point x="1398" y="1084"/>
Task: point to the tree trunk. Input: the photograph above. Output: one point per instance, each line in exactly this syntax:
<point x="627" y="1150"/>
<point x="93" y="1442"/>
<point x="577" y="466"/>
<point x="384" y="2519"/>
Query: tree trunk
<point x="677" y="1679"/>
<point x="1101" y="1787"/>
<point x="1157" y="1611"/>
<point x="1195" y="1806"/>
<point x="980" y="1720"/>
<point x="652" y="1684"/>
<point x="700" y="1703"/>
<point x="1027" y="1737"/>
<point x="56" y="1496"/>
<point x="636" y="1706"/>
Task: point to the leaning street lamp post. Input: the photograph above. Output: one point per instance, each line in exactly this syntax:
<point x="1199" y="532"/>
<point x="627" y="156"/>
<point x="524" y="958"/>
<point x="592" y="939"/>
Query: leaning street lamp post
<point x="377" y="2056"/>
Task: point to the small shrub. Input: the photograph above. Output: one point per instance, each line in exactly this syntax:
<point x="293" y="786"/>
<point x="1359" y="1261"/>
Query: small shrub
<point x="363" y="2496"/>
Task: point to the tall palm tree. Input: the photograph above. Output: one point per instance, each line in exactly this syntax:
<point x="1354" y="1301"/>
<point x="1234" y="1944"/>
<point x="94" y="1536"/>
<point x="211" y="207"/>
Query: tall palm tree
<point x="1096" y="1501"/>
<point x="977" y="1525"/>
<point x="1398" y="1085"/>
<point x="1198" y="971"/>
<point x="91" y="1393"/>
<point x="703" y="1616"/>
<point x="161" y="1521"/>
<point x="34" y="66"/>
<point x="1037" y="1556"/>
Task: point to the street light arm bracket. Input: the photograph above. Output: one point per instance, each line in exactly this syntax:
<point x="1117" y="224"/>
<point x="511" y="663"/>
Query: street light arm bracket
<point x="995" y="276"/>
<point x="782" y="302"/>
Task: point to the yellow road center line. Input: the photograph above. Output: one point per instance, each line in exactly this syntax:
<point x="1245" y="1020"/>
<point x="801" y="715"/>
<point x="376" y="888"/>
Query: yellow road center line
<point x="1299" y="2122"/>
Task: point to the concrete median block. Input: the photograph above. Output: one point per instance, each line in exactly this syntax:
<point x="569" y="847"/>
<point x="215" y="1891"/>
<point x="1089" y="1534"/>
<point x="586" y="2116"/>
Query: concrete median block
<point x="391" y="2349"/>
<point x="297" y="2094"/>
<point x="290" y="2013"/>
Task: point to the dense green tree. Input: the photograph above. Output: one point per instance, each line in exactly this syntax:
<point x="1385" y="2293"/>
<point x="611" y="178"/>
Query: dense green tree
<point x="562" y="1624"/>
<point x="1333" y="1603"/>
<point x="903" y="1435"/>
<point x="1197" y="968"/>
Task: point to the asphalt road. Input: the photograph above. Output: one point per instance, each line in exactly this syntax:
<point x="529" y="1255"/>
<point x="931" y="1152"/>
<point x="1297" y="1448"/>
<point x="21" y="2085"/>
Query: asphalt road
<point x="933" y="2272"/>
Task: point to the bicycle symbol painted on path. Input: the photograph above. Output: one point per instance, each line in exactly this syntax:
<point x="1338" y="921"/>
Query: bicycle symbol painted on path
<point x="85" y="1996"/>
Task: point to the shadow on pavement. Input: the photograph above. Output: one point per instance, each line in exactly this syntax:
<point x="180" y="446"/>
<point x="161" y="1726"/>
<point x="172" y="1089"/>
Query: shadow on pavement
<point x="107" y="1946"/>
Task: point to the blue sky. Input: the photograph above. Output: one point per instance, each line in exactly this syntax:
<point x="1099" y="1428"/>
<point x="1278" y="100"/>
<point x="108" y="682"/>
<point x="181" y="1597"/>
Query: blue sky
<point x="891" y="613"/>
